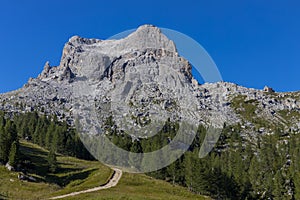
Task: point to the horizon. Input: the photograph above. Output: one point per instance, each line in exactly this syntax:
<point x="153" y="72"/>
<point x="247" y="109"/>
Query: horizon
<point x="253" y="44"/>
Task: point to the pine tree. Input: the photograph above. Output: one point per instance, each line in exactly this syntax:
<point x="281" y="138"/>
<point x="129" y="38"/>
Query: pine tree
<point x="188" y="171"/>
<point x="3" y="146"/>
<point x="52" y="162"/>
<point x="255" y="175"/>
<point x="8" y="135"/>
<point x="135" y="159"/>
<point x="32" y="123"/>
<point x="49" y="135"/>
<point x="13" y="154"/>
<point x="36" y="137"/>
<point x="60" y="137"/>
<point x="11" y="131"/>
<point x="2" y="119"/>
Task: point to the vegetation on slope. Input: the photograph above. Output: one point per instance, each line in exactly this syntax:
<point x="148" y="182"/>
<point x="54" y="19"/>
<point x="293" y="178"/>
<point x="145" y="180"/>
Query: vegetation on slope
<point x="52" y="174"/>
<point x="237" y="168"/>
<point x="72" y="174"/>
<point x="248" y="110"/>
<point x="141" y="187"/>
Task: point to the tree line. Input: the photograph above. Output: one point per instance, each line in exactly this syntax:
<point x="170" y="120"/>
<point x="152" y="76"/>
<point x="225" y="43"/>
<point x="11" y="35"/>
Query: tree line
<point x="9" y="141"/>
<point x="267" y="167"/>
<point x="46" y="131"/>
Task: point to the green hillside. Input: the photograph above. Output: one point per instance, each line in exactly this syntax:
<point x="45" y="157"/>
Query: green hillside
<point x="73" y="175"/>
<point x="140" y="187"/>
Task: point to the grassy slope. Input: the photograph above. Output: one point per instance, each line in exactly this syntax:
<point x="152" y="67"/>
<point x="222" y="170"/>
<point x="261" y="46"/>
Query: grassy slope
<point x="72" y="175"/>
<point x="140" y="187"/>
<point x="76" y="175"/>
<point x="247" y="110"/>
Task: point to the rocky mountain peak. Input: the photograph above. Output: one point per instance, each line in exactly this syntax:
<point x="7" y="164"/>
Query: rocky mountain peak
<point x="149" y="37"/>
<point x="77" y="40"/>
<point x="45" y="71"/>
<point x="144" y="73"/>
<point x="94" y="58"/>
<point x="145" y="37"/>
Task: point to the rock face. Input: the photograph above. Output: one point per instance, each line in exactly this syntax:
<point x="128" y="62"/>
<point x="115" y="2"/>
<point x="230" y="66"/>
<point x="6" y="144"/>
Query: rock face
<point x="140" y="76"/>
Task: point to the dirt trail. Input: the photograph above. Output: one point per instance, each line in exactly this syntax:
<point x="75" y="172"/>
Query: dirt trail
<point x="111" y="183"/>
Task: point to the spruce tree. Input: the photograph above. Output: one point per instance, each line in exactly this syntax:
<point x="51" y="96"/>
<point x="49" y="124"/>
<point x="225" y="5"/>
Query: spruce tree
<point x="32" y="123"/>
<point x="135" y="159"/>
<point x="49" y="135"/>
<point x="188" y="170"/>
<point x="8" y="135"/>
<point x="3" y="146"/>
<point x="2" y="119"/>
<point x="52" y="161"/>
<point x="11" y="131"/>
<point x="13" y="154"/>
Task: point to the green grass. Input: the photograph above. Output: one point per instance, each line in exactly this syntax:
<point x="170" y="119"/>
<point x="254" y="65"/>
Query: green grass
<point x="75" y="175"/>
<point x="141" y="187"/>
<point x="244" y="108"/>
<point x="12" y="188"/>
<point x="247" y="110"/>
<point x="72" y="175"/>
<point x="290" y="115"/>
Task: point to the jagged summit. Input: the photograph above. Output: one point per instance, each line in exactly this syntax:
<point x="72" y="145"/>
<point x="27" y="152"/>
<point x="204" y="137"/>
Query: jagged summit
<point x="149" y="36"/>
<point x="93" y="58"/>
<point x="146" y="74"/>
<point x="145" y="37"/>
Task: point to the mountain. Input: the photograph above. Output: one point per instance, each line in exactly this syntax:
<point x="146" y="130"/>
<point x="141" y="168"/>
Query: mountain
<point x="139" y="85"/>
<point x="145" y="73"/>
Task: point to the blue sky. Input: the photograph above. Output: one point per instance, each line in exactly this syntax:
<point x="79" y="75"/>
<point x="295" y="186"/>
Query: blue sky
<point x="254" y="43"/>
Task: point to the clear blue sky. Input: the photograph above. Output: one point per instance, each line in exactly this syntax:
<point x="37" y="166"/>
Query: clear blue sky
<point x="254" y="43"/>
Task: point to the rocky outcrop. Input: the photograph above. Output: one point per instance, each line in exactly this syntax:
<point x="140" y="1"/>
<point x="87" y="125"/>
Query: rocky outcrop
<point x="139" y="77"/>
<point x="268" y="89"/>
